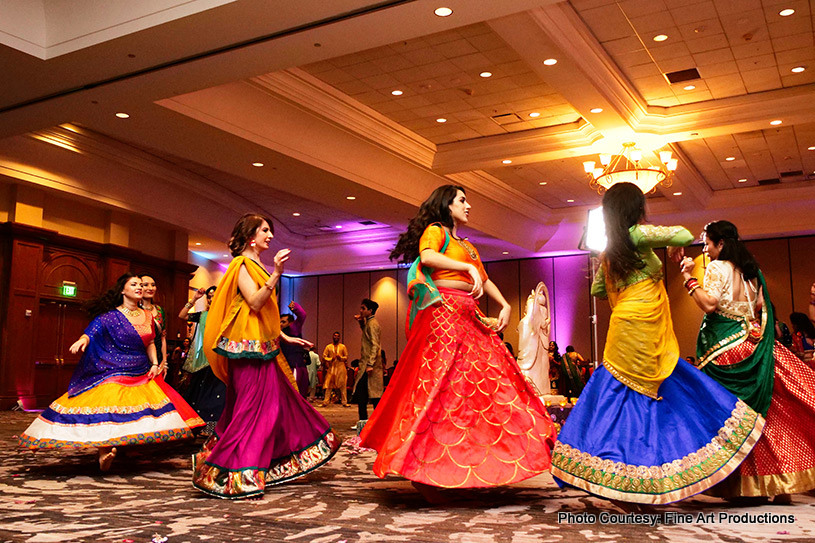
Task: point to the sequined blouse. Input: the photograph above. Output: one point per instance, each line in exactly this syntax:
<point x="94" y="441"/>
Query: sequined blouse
<point x="720" y="276"/>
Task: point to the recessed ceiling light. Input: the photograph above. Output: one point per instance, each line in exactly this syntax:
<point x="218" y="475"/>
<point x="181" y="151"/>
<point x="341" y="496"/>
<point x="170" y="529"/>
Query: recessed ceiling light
<point x="811" y="148"/>
<point x="338" y="226"/>
<point x="660" y="37"/>
<point x="443" y="12"/>
<point x="122" y="115"/>
<point x="743" y="180"/>
<point x="677" y="194"/>
<point x="570" y="201"/>
<point x="485" y="74"/>
<point x="550" y="61"/>
<point x="689" y="87"/>
<point x="295" y="214"/>
<point x="505" y="253"/>
<point x="596" y="110"/>
<point x="776" y="122"/>
<point x="730" y="158"/>
<point x="786" y="12"/>
<point x="197" y="243"/>
<point x="441" y="120"/>
<point x="534" y="114"/>
<point x="226" y="256"/>
<point x="543" y="183"/>
<point x="350" y="197"/>
<point x="798" y="69"/>
<point x="396" y="92"/>
<point x="506" y="161"/>
<point x="257" y="164"/>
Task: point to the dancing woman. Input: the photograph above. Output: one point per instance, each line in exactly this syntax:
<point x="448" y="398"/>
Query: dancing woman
<point x="148" y="285"/>
<point x="268" y="433"/>
<point x="458" y="412"/>
<point x="737" y="347"/>
<point x="114" y="397"/>
<point x="640" y="432"/>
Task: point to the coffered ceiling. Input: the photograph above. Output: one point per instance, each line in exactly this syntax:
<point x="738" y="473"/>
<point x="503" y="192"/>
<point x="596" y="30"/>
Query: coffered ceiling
<point x="357" y="110"/>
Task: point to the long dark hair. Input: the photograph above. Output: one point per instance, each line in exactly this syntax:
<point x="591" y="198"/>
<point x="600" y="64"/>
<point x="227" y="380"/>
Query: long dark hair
<point x="435" y="209"/>
<point x="733" y="249"/>
<point x="800" y="323"/>
<point x="110" y="299"/>
<point x="623" y="207"/>
<point x="243" y="231"/>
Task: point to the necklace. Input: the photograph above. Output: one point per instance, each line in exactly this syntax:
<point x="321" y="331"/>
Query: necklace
<point x="130" y="312"/>
<point x="144" y="306"/>
<point x="466" y="246"/>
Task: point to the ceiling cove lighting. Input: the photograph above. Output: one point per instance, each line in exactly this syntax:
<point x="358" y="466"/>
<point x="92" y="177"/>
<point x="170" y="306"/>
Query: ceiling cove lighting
<point x="626" y="167"/>
<point x="443" y="12"/>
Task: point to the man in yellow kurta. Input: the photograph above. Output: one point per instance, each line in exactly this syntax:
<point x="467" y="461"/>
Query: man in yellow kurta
<point x="335" y="357"/>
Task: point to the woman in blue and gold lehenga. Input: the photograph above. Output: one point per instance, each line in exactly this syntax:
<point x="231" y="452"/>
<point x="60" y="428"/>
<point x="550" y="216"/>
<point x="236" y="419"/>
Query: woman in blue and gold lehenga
<point x="639" y="432"/>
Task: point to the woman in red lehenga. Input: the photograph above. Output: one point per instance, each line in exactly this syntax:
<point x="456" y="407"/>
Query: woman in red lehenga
<point x="737" y="347"/>
<point x="458" y="412"/>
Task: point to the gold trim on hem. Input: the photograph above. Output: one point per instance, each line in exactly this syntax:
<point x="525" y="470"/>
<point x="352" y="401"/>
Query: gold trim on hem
<point x="765" y="485"/>
<point x="629" y="383"/>
<point x="670" y="482"/>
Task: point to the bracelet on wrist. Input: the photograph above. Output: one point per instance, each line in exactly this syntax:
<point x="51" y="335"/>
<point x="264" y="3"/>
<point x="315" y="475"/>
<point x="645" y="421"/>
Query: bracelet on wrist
<point x="692" y="290"/>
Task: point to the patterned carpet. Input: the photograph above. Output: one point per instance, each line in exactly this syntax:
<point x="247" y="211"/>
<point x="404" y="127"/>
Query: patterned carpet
<point x="147" y="496"/>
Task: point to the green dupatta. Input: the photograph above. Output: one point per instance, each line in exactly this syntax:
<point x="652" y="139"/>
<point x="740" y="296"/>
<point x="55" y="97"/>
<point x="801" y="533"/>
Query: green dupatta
<point x="752" y="378"/>
<point x="421" y="289"/>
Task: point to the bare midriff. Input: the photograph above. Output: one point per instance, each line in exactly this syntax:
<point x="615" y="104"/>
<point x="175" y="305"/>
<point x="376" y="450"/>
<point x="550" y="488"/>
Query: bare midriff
<point x="458" y="285"/>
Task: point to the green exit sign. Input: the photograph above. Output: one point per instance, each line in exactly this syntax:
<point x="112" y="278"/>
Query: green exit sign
<point x="68" y="289"/>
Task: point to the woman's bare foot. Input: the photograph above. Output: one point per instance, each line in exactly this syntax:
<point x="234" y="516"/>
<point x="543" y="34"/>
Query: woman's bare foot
<point x="106" y="456"/>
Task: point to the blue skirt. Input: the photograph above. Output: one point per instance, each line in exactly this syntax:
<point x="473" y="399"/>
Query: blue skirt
<point x="622" y="445"/>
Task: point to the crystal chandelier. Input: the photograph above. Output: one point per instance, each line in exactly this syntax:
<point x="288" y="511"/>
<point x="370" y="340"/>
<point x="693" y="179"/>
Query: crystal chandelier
<point x="625" y="167"/>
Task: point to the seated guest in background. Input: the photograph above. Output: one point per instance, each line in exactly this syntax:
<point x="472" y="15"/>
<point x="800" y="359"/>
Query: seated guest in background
<point x="335" y="369"/>
<point x="116" y="396"/>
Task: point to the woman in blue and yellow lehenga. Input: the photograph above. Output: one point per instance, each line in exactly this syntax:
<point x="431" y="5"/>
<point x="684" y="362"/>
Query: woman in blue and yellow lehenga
<point x="639" y="432"/>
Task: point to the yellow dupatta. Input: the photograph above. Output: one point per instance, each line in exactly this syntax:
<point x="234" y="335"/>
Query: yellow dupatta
<point x="234" y="330"/>
<point x="641" y="348"/>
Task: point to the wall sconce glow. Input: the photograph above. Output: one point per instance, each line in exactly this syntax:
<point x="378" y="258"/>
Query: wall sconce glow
<point x="257" y="164"/>
<point x="776" y="122"/>
<point x="596" y="231"/>
<point x="506" y="161"/>
<point x="485" y="74"/>
<point x="596" y="110"/>
<point x="122" y="115"/>
<point x="660" y="37"/>
<point x="443" y="12"/>
<point x="786" y="12"/>
<point x="550" y="61"/>
<point x="397" y="92"/>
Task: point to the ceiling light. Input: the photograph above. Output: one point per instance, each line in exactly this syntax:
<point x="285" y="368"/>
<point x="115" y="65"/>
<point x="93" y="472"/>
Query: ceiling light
<point x="257" y="164"/>
<point x="550" y="61"/>
<point x="122" y="115"/>
<point x="660" y="37"/>
<point x="485" y="74"/>
<point x="596" y="110"/>
<point x="226" y="256"/>
<point x="542" y="182"/>
<point x="626" y="166"/>
<point x="198" y="243"/>
<point x="786" y="12"/>
<point x="295" y="214"/>
<point x="441" y="120"/>
<point x="677" y="194"/>
<point x="776" y="122"/>
<point x="730" y="158"/>
<point x="506" y="161"/>
<point x="742" y="180"/>
<point x="570" y="201"/>
<point x="338" y="226"/>
<point x="811" y="148"/>
<point x="396" y="92"/>
<point x="798" y="69"/>
<point x="534" y="114"/>
<point x="443" y="12"/>
<point x="350" y="197"/>
<point x="505" y="253"/>
<point x="689" y="87"/>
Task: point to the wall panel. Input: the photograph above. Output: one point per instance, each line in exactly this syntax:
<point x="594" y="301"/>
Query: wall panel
<point x="384" y="292"/>
<point x="401" y="311"/>
<point x="305" y="293"/>
<point x="356" y="286"/>
<point x="774" y="260"/>
<point x="571" y="302"/>
<point x="506" y="274"/>
<point x="330" y="316"/>
<point x="802" y="272"/>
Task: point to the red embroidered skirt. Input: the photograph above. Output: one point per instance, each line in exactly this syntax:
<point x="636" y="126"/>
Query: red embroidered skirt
<point x="783" y="460"/>
<point x="458" y="412"/>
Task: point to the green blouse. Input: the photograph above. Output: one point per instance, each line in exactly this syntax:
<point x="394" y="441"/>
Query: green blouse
<point x="645" y="238"/>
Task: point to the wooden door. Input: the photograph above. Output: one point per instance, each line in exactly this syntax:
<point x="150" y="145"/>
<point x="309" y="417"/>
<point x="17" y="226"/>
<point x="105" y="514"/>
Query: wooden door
<point x="59" y="324"/>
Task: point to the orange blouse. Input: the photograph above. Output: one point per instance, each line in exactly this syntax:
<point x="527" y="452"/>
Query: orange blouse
<point x="460" y="250"/>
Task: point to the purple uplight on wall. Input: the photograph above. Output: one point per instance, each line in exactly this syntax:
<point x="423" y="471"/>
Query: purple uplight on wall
<point x="571" y="308"/>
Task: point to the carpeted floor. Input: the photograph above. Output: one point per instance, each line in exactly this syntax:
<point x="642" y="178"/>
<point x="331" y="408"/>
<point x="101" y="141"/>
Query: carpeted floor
<point x="147" y="496"/>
